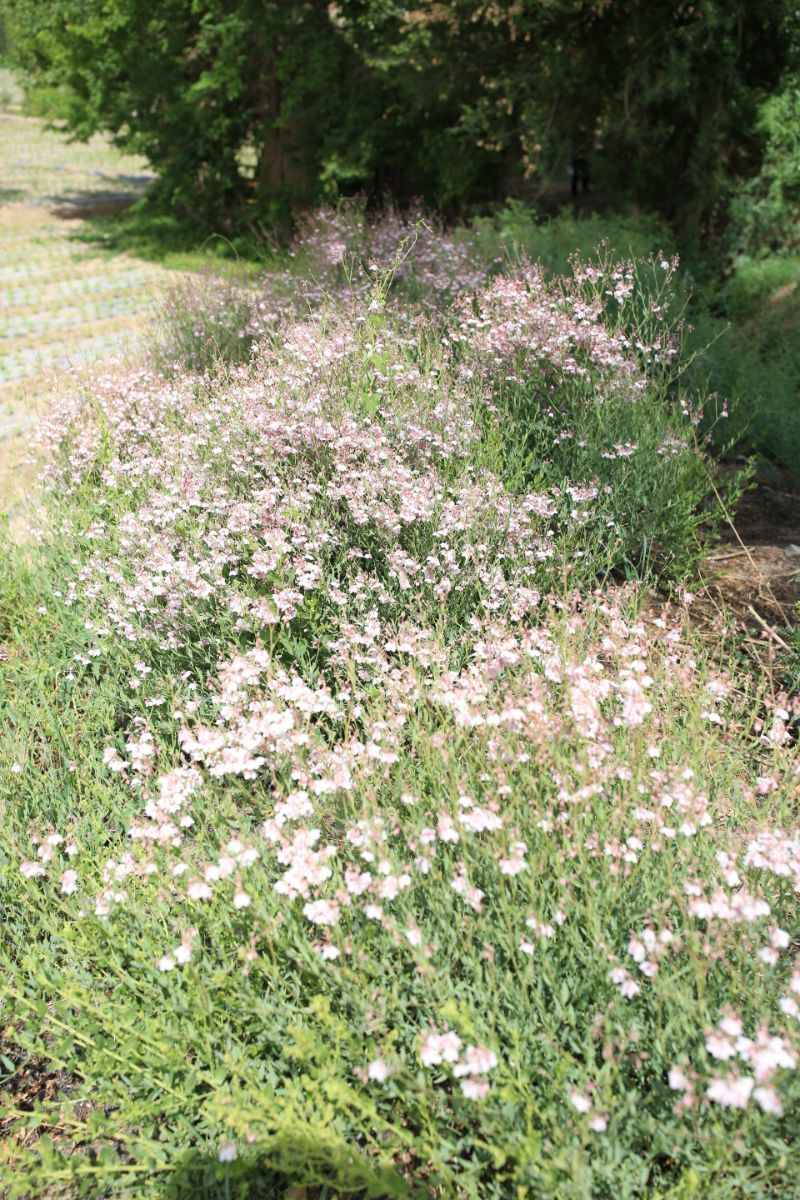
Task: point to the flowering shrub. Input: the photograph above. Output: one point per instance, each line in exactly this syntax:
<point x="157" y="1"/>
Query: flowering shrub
<point x="358" y="839"/>
<point x="336" y="254"/>
<point x="202" y="321"/>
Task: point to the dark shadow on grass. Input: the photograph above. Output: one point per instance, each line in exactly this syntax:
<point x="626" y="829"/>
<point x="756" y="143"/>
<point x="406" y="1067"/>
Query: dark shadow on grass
<point x="81" y="206"/>
<point x="304" y="1166"/>
<point x="115" y="193"/>
<point x="147" y="229"/>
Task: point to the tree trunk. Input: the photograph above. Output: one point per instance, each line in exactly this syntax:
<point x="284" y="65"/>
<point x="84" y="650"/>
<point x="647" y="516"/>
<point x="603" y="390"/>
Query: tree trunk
<point x="281" y="172"/>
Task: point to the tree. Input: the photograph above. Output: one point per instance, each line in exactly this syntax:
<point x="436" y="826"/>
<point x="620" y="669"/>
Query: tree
<point x="668" y="95"/>
<point x="223" y="98"/>
<point x="258" y="104"/>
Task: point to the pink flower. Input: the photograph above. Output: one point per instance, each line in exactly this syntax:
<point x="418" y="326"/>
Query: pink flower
<point x="677" y="1079"/>
<point x="322" y="912"/>
<point x="768" y="1100"/>
<point x="474" y="1089"/>
<point x="440" y="1047"/>
<point x="31" y="869"/>
<point x="113" y="761"/>
<point x="378" y="1070"/>
<point x="183" y="952"/>
<point x="476" y="1060"/>
<point x="732" y="1091"/>
<point x="69" y="882"/>
<point x="720" y="1047"/>
<point x="580" y="1102"/>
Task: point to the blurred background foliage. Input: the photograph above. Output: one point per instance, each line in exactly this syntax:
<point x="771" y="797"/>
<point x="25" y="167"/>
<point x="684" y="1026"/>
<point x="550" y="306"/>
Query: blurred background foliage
<point x="262" y="105"/>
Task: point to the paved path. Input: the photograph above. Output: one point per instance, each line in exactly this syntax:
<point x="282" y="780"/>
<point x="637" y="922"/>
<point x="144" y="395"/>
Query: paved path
<point x="63" y="301"/>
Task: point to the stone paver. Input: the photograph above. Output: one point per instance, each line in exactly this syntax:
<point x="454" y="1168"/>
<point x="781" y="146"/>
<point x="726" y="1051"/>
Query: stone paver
<point x="63" y="303"/>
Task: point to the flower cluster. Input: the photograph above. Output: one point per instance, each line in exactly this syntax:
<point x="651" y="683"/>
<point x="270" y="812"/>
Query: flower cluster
<point x="440" y="813"/>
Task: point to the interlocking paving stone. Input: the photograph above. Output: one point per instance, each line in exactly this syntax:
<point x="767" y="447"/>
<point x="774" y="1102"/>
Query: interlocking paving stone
<point x="63" y="303"/>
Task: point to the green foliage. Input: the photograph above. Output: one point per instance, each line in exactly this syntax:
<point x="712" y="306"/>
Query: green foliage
<point x="48" y="102"/>
<point x="765" y="210"/>
<point x="517" y="229"/>
<point x="748" y="353"/>
<point x="199" y="89"/>
<point x="247" y="111"/>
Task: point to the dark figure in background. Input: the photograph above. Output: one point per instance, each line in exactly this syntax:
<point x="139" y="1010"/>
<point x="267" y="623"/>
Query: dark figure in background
<point x="580" y="173"/>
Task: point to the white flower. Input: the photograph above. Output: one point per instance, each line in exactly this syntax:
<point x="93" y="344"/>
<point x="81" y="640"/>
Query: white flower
<point x="378" y="1070"/>
<point x="579" y="1101"/>
<point x="227" y="1152"/>
<point x="69" y="882"/>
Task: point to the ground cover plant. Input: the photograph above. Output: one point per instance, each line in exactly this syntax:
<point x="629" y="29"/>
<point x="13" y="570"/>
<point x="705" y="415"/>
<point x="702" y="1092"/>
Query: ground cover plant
<point x="747" y="340"/>
<point x="364" y="827"/>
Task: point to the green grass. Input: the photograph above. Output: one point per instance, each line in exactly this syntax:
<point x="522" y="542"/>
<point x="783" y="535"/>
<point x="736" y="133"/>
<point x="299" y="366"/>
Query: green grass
<point x="748" y="339"/>
<point x="517" y="229"/>
<point x="176" y="243"/>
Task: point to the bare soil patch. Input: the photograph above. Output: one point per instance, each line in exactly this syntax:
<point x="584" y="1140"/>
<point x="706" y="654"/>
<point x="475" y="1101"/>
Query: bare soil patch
<point x="755" y="572"/>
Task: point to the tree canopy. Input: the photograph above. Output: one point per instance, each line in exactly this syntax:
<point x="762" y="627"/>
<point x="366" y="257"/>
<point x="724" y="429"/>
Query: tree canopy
<point x="258" y="105"/>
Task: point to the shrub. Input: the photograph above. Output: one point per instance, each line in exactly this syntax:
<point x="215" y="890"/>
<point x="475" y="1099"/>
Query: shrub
<point x="358" y="841"/>
<point x="517" y="229"/>
<point x="202" y="322"/>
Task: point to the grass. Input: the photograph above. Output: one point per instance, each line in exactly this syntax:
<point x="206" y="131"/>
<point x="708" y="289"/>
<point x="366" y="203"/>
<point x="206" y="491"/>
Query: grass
<point x="365" y="829"/>
<point x="748" y="341"/>
<point x="175" y="243"/>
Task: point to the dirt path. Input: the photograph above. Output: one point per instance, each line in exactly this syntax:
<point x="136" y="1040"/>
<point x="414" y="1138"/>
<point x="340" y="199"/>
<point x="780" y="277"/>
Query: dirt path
<point x="754" y="574"/>
<point x="63" y="302"/>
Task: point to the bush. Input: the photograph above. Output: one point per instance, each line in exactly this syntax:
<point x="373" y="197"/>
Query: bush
<point x="518" y="230"/>
<point x="765" y="210"/>
<point x="202" y="322"/>
<point x="357" y="840"/>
